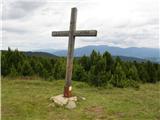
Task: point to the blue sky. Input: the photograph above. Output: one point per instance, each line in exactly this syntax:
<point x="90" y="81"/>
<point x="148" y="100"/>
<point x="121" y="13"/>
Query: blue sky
<point x="27" y="25"/>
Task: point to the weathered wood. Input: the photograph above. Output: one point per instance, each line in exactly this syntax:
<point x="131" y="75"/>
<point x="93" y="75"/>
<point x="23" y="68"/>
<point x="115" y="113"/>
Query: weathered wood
<point x="60" y="33"/>
<point x="78" y="33"/>
<point x="85" y="33"/>
<point x="71" y="47"/>
<point x="72" y="33"/>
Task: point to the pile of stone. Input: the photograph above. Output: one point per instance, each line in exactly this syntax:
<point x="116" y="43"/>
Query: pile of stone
<point x="60" y="100"/>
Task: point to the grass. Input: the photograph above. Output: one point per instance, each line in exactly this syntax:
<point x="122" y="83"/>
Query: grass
<point x="29" y="100"/>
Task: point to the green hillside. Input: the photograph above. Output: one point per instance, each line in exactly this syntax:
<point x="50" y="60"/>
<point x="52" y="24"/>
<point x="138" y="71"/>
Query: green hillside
<point x="35" y="54"/>
<point x="40" y="54"/>
<point x="29" y="100"/>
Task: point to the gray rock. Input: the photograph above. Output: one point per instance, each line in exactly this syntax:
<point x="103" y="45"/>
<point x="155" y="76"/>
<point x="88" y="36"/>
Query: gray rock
<point x="60" y="100"/>
<point x="71" y="105"/>
<point x="72" y="98"/>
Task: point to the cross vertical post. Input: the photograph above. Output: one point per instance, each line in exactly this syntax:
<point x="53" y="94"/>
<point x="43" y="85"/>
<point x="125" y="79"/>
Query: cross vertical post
<point x="68" y="87"/>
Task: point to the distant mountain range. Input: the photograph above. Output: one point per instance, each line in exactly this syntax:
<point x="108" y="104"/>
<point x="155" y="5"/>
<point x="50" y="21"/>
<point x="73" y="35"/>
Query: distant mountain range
<point x="152" y="54"/>
<point x="143" y="53"/>
<point x="115" y="51"/>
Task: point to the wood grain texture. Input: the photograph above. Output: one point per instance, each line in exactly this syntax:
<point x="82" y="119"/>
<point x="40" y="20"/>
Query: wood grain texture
<point x="71" y="47"/>
<point x="78" y="33"/>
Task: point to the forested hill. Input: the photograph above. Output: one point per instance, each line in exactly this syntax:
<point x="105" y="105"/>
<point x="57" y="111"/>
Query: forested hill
<point x="40" y="54"/>
<point x="131" y="59"/>
<point x="37" y="54"/>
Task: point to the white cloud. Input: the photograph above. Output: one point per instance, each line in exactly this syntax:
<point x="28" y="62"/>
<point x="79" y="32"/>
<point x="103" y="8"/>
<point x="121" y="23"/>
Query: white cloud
<point x="27" y="25"/>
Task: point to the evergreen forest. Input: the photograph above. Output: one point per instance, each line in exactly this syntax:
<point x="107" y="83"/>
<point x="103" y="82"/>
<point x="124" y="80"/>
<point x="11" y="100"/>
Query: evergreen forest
<point x="100" y="70"/>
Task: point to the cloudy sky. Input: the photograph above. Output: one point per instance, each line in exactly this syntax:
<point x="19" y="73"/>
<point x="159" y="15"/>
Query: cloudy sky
<point x="27" y="24"/>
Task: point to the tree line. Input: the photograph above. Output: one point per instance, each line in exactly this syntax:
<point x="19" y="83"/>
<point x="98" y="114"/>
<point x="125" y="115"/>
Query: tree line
<point x="96" y="69"/>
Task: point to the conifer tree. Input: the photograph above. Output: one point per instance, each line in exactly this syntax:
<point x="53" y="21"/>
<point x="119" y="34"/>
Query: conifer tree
<point x="13" y="72"/>
<point x="133" y="73"/>
<point x="27" y="69"/>
<point x="119" y="77"/>
<point x="79" y="74"/>
<point x="109" y="62"/>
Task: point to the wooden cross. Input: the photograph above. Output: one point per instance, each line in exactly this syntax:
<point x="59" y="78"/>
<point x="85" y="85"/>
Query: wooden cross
<point x="72" y="33"/>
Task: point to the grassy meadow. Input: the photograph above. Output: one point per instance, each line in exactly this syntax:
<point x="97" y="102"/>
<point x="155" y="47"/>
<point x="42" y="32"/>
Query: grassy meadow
<point x="29" y="100"/>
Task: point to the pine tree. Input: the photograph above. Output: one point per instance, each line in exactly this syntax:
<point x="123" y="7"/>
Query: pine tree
<point x="132" y="73"/>
<point x="94" y="57"/>
<point x="84" y="61"/>
<point x="79" y="74"/>
<point x="151" y="71"/>
<point x="109" y="62"/>
<point x="158" y="73"/>
<point x="59" y="69"/>
<point x="93" y="77"/>
<point x="27" y="69"/>
<point x="143" y="75"/>
<point x="119" y="77"/>
<point x="13" y="72"/>
<point x="4" y="65"/>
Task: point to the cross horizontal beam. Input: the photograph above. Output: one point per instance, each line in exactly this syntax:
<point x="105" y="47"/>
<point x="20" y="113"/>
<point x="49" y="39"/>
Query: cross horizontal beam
<point x="80" y="33"/>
